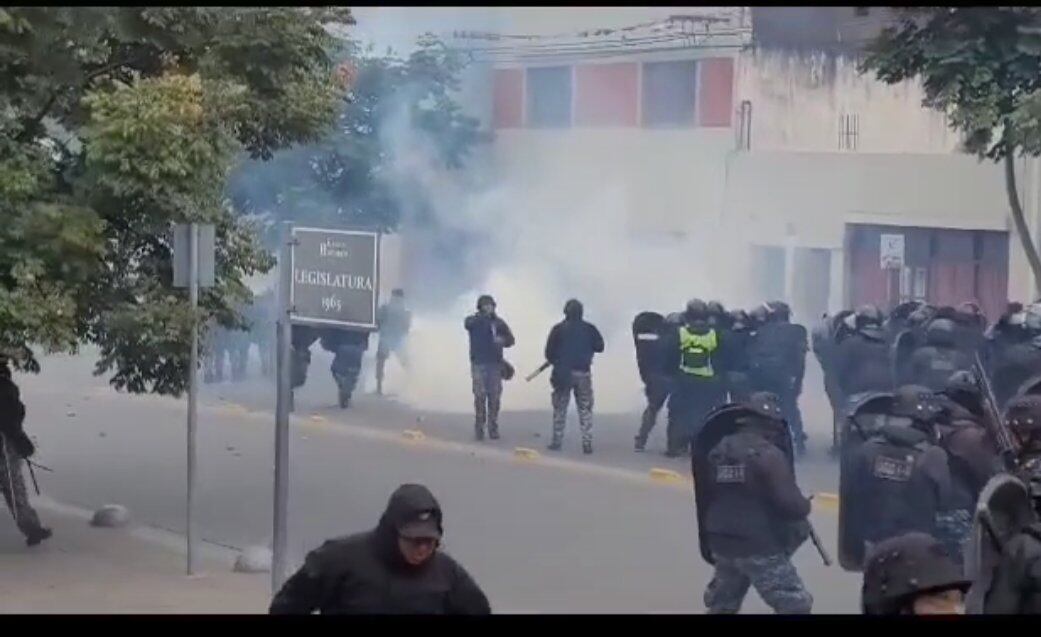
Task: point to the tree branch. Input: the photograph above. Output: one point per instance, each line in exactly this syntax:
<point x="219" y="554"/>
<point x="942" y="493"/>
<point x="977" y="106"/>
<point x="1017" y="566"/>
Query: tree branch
<point x="1019" y="219"/>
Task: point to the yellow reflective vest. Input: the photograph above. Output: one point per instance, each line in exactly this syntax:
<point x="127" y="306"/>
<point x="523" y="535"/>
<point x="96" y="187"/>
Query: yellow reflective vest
<point x="696" y="352"/>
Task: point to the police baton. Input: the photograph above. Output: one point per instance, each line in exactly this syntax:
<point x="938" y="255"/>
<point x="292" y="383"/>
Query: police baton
<point x="817" y="540"/>
<point x="820" y="545"/>
<point x="32" y="475"/>
<point x="538" y="371"/>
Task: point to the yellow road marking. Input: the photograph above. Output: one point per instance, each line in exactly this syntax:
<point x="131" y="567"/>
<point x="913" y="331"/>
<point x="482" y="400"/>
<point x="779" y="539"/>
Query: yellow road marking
<point x="665" y="475"/>
<point x="413" y="434"/>
<point x="526" y="454"/>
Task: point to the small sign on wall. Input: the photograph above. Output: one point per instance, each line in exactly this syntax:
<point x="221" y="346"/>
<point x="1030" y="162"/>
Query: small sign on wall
<point x="891" y="252"/>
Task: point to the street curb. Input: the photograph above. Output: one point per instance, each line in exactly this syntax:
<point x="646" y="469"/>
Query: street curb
<point x="163" y="538"/>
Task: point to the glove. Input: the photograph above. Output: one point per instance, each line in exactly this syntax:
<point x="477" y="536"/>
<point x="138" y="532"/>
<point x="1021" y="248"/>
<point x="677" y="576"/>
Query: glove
<point x="22" y="445"/>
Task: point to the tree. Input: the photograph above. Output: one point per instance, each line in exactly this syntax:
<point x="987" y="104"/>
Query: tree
<point x="982" y="67"/>
<point x="341" y="180"/>
<point x="116" y="123"/>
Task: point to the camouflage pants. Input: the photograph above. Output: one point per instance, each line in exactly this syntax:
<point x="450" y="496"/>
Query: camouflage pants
<point x="487" y="387"/>
<point x="12" y="484"/>
<point x="582" y="385"/>
<point x="773" y="576"/>
<point x="953" y="529"/>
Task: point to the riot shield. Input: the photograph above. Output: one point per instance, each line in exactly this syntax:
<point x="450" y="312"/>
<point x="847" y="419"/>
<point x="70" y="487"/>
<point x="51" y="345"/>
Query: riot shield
<point x="866" y="413"/>
<point x="1030" y="386"/>
<point x="1003" y="509"/>
<point x="719" y="423"/>
<point x="900" y="353"/>
<point x="647" y="328"/>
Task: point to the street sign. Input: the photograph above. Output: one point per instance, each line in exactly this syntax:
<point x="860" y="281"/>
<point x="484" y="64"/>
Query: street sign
<point x="335" y="277"/>
<point x="207" y="247"/>
<point x="891" y="252"/>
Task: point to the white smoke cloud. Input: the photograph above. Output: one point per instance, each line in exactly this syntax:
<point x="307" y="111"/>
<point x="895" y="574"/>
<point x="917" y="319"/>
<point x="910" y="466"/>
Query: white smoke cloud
<point x="552" y="237"/>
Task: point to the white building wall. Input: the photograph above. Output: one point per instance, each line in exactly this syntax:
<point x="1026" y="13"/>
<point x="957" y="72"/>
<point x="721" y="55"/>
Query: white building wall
<point x="798" y="99"/>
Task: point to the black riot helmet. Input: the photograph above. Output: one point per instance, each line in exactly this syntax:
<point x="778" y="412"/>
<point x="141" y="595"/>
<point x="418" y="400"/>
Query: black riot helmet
<point x="573" y="310"/>
<point x="869" y="315"/>
<point x="940" y="332"/>
<point x="717" y="314"/>
<point x="780" y="311"/>
<point x="917" y="403"/>
<point x="765" y="404"/>
<point x="767" y="418"/>
<point x="739" y="319"/>
<point x="963" y="389"/>
<point x="760" y="314"/>
<point x="485" y="299"/>
<point x="901" y="568"/>
<point x="697" y="310"/>
<point x="1023" y="417"/>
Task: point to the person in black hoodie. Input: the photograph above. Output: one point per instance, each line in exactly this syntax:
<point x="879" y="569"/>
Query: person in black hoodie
<point x="489" y="334"/>
<point x="394" y="569"/>
<point x="570" y="348"/>
<point x="15" y="447"/>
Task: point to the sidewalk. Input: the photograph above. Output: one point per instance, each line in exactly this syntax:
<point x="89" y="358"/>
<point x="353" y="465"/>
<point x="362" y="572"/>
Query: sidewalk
<point x="83" y="569"/>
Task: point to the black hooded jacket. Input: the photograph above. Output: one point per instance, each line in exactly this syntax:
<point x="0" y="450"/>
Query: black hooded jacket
<point x="365" y="573"/>
<point x="573" y="342"/>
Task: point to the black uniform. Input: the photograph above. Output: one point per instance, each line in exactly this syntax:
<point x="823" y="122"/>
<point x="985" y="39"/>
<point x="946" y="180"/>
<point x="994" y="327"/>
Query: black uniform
<point x="366" y="573"/>
<point x="734" y="357"/>
<point x="15" y="447"/>
<point x="756" y="515"/>
<point x="777" y="359"/>
<point x="862" y="364"/>
<point x="348" y="347"/>
<point x="649" y="339"/>
<point x="899" y="481"/>
<point x="932" y="364"/>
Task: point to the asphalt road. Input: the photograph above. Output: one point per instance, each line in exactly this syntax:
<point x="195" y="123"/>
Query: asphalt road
<point x="558" y="533"/>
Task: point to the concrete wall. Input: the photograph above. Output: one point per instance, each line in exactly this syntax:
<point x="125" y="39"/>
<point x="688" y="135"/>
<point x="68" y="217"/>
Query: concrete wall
<point x="797" y="100"/>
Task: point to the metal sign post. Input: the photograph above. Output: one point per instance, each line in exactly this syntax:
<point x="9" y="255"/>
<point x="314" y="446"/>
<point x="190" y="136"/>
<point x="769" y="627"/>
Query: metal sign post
<point x="193" y="267"/>
<point x="328" y="279"/>
<point x="280" y="539"/>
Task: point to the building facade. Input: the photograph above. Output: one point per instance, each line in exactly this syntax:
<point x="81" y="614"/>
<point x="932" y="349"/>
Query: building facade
<point x="824" y="186"/>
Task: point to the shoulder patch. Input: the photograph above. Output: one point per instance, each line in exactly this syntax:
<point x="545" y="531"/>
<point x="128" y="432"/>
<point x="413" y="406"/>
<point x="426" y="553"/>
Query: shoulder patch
<point x="896" y="469"/>
<point x="730" y="473"/>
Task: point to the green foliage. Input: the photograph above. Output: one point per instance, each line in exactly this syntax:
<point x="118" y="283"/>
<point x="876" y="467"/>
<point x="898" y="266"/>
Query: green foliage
<point x="980" y="65"/>
<point x="116" y="123"/>
<point x="341" y="179"/>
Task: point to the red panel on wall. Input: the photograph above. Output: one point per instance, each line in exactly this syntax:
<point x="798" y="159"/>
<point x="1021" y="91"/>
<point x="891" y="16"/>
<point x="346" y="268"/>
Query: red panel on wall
<point x="606" y="94"/>
<point x="508" y="96"/>
<point x="715" y="91"/>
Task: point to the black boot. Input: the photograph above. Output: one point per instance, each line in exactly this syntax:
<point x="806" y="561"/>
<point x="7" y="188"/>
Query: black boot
<point x="479" y="432"/>
<point x="493" y="432"/>
<point x="37" y="536"/>
<point x="555" y="445"/>
<point x="640" y="443"/>
<point x="587" y="447"/>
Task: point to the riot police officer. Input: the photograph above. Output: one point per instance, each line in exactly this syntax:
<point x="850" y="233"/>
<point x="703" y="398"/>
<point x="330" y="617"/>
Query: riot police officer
<point x="1016" y="582"/>
<point x="777" y="362"/>
<point x="862" y="361"/>
<point x="348" y="348"/>
<point x="752" y="517"/>
<point x="912" y="574"/>
<point x="899" y="478"/>
<point x="648" y="338"/>
<point x="932" y="364"/>
<point x="733" y="356"/>
<point x="691" y="351"/>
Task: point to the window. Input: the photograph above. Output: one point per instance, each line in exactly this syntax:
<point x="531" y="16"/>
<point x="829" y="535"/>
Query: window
<point x="849" y="131"/>
<point x="549" y="97"/>
<point x="669" y="93"/>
